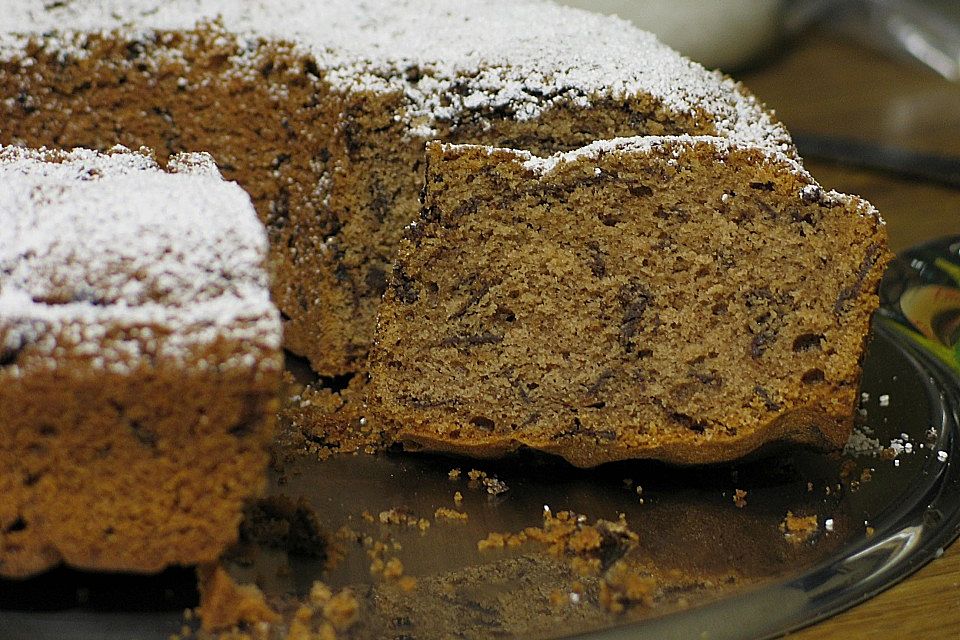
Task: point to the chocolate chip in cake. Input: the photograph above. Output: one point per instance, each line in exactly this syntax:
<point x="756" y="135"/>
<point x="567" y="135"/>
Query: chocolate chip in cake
<point x="768" y="401"/>
<point x="807" y="341"/>
<point x="144" y="435"/>
<point x="813" y="376"/>
<point x="404" y="286"/>
<point x="484" y="423"/>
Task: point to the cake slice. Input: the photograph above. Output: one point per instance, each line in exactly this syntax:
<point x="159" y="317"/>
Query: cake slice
<point x="139" y="360"/>
<point x="681" y="298"/>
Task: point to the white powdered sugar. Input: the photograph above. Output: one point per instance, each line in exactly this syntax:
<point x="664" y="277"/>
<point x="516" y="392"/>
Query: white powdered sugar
<point x="447" y="58"/>
<point x="666" y="146"/>
<point x="647" y="145"/>
<point x="107" y="255"/>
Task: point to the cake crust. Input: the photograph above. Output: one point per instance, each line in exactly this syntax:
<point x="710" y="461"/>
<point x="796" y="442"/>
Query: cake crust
<point x="687" y="299"/>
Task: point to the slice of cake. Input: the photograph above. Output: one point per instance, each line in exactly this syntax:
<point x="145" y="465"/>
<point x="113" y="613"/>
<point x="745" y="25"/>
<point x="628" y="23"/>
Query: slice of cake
<point x="139" y="360"/>
<point x="681" y="298"/>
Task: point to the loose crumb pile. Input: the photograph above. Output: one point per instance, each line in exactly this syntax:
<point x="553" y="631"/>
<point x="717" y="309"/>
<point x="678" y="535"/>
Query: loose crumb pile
<point x="591" y="550"/>
<point x="477" y="479"/>
<point x="224" y="603"/>
<point x="324" y="614"/>
<point x="400" y="517"/>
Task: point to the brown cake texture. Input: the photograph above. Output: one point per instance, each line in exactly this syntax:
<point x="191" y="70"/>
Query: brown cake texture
<point x="688" y="299"/>
<point x="139" y="360"/>
<point x="321" y="112"/>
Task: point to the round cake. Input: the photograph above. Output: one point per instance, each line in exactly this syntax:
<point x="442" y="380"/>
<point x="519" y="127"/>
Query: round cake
<point x="321" y="112"/>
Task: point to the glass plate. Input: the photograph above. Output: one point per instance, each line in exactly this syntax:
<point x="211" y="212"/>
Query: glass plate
<point x="722" y="570"/>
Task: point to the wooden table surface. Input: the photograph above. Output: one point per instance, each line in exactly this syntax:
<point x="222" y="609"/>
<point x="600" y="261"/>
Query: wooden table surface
<point x="823" y="86"/>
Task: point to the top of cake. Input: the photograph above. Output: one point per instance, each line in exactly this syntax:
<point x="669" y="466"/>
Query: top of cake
<point x="643" y="144"/>
<point x="673" y="146"/>
<point x="447" y="57"/>
<point x="93" y="242"/>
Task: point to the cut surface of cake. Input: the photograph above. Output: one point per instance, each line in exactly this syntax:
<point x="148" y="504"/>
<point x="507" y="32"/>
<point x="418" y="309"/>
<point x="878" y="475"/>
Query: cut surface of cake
<point x="139" y="360"/>
<point x="688" y="299"/>
<point x="321" y="112"/>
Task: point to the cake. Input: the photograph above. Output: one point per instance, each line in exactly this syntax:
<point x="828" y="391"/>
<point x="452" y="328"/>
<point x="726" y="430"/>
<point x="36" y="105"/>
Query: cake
<point x="139" y="360"/>
<point x="684" y="298"/>
<point x="321" y="112"/>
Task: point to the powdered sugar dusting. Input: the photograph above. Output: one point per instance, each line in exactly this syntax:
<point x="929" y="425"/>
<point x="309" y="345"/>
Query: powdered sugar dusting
<point x="108" y="256"/>
<point x="668" y="146"/>
<point x="445" y="57"/>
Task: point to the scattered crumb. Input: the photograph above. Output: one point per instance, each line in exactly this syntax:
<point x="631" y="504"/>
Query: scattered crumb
<point x="798" y="529"/>
<point x="493" y="540"/>
<point x="393" y="569"/>
<point x="476" y="474"/>
<point x="225" y="604"/>
<point x="585" y="540"/>
<point x="622" y="586"/>
<point x="320" y="594"/>
<point x="495" y="486"/>
<point x="884" y="400"/>
<point x="443" y="513"/>
<point x="393" y="516"/>
<point x="847" y="469"/>
<point x="458" y="498"/>
<point x="342" y="610"/>
<point x="942" y="456"/>
<point x="559" y="598"/>
<point x="586" y="546"/>
<point x="740" y="498"/>
<point x="585" y="566"/>
<point x="828" y="525"/>
<point x="454" y="474"/>
<point x="397" y="516"/>
<point x="346" y="533"/>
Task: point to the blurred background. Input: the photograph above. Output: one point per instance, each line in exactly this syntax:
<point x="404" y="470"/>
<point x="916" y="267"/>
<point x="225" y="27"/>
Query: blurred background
<point x="870" y="89"/>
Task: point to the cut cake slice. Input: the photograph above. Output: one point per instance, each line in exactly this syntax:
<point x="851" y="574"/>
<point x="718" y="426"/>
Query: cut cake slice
<point x="682" y="298"/>
<point x="139" y="360"/>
